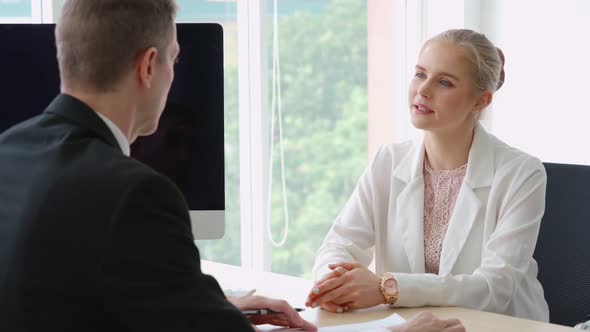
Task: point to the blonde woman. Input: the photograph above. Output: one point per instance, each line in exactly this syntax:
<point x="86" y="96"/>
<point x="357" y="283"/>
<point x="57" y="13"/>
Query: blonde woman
<point x="450" y="220"/>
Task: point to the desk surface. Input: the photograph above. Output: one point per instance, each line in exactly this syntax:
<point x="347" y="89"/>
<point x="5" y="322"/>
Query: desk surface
<point x="295" y="291"/>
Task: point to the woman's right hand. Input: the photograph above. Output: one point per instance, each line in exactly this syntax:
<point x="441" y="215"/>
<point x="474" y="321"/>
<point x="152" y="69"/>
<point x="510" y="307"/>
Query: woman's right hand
<point x="328" y="306"/>
<point x="427" y="322"/>
<point x="356" y="288"/>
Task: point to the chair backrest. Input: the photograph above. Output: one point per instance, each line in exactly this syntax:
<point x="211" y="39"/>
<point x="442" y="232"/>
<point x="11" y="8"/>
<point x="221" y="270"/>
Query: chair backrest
<point x="563" y="247"/>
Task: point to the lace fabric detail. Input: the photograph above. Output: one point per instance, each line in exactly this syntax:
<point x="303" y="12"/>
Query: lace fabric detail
<point x="441" y="188"/>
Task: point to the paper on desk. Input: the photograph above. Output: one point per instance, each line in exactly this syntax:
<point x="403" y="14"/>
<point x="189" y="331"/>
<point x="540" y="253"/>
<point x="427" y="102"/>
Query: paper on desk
<point x="392" y="320"/>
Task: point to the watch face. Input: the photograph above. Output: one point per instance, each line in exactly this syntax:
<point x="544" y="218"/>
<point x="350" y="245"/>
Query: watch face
<point x="389" y="286"/>
<point x="389" y="289"/>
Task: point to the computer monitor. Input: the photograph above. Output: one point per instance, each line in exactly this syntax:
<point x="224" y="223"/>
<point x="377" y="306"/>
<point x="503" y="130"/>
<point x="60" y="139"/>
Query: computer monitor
<point x="188" y="146"/>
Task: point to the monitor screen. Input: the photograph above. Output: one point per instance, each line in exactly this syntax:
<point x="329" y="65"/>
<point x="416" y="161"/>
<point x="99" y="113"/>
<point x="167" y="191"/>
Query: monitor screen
<point x="188" y="146"/>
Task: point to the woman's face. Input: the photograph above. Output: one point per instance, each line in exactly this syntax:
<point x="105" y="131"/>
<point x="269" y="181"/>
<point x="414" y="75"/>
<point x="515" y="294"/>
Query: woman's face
<point x="442" y="93"/>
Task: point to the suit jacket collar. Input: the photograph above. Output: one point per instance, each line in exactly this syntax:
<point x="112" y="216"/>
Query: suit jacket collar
<point x="82" y="115"/>
<point x="480" y="164"/>
<point x="410" y="202"/>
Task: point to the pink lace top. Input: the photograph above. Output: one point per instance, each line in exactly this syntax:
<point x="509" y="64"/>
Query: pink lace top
<point x="440" y="193"/>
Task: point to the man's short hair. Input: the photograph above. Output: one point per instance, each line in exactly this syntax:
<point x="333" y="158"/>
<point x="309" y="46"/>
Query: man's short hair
<point x="98" y="41"/>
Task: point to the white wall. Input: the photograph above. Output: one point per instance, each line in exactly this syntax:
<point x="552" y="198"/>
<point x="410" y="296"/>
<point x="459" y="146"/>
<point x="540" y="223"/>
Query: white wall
<point x="544" y="106"/>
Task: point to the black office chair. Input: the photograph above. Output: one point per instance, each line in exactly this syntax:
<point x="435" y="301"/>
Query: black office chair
<point x="563" y="247"/>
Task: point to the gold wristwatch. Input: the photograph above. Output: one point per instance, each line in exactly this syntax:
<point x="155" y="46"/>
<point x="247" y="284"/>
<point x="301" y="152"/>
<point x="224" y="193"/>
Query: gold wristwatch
<point x="388" y="288"/>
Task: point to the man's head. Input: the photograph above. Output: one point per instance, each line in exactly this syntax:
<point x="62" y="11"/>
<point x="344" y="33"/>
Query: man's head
<point x="106" y="46"/>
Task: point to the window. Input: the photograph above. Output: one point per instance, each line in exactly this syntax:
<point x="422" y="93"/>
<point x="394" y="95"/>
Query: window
<point x="322" y="57"/>
<point x="323" y="97"/>
<point x="20" y="11"/>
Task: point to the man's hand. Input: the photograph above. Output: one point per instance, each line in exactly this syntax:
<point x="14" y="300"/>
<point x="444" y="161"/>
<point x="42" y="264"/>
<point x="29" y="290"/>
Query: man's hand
<point x="286" y="317"/>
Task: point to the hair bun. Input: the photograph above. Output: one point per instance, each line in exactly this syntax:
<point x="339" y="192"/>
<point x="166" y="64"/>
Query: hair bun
<point x="502" y="73"/>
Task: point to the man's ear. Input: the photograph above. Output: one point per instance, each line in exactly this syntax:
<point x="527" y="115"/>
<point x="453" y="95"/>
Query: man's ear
<point x="485" y="98"/>
<point x="145" y="66"/>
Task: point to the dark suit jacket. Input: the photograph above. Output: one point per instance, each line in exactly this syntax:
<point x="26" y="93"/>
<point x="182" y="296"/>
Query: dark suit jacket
<point x="91" y="240"/>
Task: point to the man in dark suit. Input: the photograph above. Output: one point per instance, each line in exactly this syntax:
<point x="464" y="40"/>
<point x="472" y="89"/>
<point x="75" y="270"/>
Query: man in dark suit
<point x="90" y="239"/>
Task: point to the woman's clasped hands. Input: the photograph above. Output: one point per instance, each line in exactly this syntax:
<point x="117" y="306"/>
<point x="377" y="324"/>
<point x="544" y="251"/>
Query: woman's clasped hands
<point x="349" y="285"/>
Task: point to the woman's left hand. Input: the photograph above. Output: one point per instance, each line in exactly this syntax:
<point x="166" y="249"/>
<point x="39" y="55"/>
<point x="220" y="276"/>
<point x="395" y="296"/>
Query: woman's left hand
<point x="355" y="288"/>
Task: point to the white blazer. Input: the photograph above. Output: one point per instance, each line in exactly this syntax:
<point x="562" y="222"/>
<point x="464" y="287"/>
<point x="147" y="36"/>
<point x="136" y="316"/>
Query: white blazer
<point x="486" y="260"/>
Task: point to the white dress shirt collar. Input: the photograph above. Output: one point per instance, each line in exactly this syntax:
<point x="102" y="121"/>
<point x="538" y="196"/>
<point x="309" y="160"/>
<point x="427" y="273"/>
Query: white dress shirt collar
<point x="119" y="136"/>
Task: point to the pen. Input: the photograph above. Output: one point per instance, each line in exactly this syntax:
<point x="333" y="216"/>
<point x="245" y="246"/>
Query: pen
<point x="265" y="311"/>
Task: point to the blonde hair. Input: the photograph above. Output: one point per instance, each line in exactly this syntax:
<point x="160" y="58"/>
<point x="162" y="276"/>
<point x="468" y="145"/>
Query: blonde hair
<point x="99" y="40"/>
<point x="487" y="60"/>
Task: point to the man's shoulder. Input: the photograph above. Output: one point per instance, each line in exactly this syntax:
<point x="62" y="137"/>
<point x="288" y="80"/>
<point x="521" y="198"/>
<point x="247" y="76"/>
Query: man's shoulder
<point x="118" y="181"/>
<point x="120" y="171"/>
<point x="132" y="173"/>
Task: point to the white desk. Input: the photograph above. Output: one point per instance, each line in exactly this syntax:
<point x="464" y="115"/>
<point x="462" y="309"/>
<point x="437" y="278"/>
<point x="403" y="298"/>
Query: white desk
<point x="295" y="291"/>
